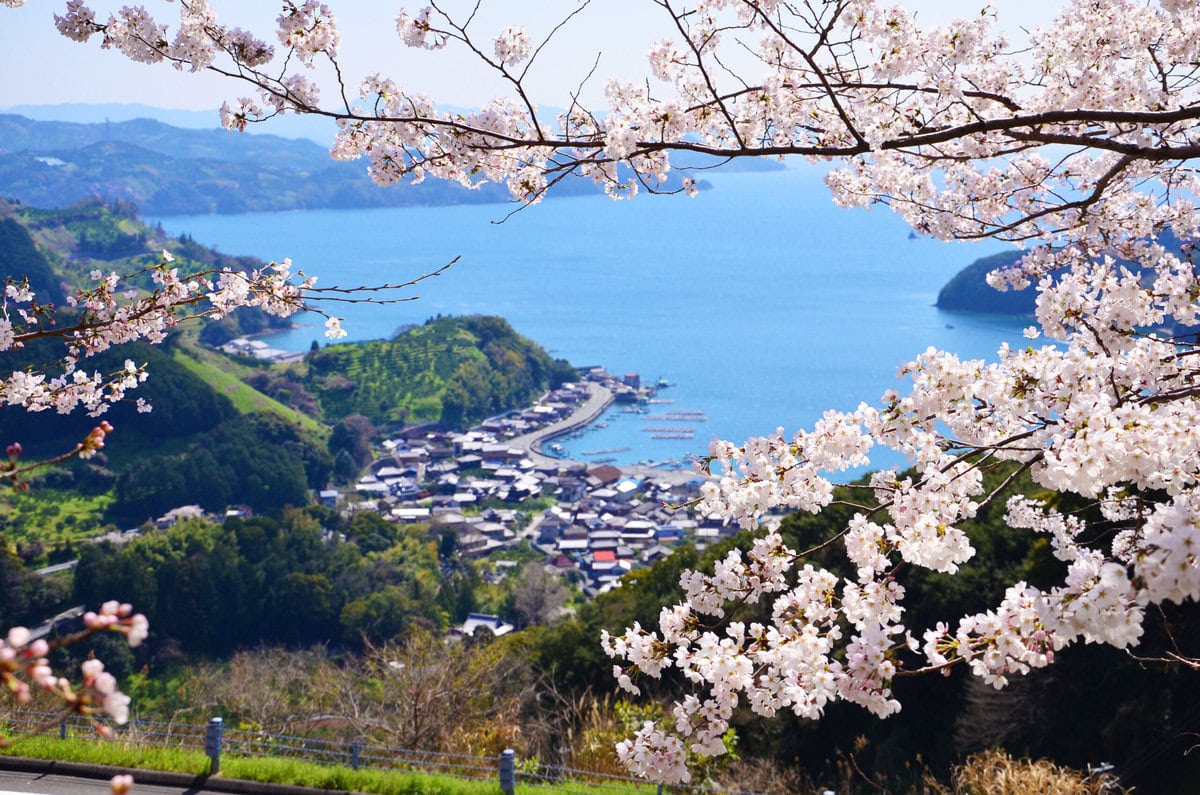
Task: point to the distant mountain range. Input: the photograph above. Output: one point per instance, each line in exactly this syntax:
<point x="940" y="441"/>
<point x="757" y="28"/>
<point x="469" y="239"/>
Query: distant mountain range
<point x="317" y="129"/>
<point x="173" y="169"/>
<point x="168" y="170"/>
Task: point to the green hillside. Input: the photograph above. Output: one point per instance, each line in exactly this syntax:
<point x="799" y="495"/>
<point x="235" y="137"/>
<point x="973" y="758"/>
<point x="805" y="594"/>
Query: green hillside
<point x="451" y="370"/>
<point x="969" y="291"/>
<point x="210" y="439"/>
<point x="230" y="431"/>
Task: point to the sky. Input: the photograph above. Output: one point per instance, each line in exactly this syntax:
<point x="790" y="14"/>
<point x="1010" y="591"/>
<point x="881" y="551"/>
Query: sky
<point x="41" y="67"/>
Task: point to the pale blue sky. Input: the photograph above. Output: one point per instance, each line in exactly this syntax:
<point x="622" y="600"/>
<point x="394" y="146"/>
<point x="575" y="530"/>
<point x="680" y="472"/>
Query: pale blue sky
<point x="41" y="67"/>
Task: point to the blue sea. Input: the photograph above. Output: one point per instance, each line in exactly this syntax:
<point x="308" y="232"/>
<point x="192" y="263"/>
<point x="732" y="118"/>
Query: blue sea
<point x="760" y="301"/>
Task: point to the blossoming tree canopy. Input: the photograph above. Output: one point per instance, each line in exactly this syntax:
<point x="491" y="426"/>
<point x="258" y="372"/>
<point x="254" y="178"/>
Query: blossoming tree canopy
<point x="1076" y="142"/>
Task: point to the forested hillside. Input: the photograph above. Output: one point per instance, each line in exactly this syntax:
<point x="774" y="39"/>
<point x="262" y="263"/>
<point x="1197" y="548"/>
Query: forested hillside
<point x="297" y="576"/>
<point x="968" y="290"/>
<point x="167" y="170"/>
<point x="283" y="581"/>
<point x="455" y="371"/>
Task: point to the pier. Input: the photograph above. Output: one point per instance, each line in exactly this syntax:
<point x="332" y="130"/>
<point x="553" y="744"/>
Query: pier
<point x="600" y="398"/>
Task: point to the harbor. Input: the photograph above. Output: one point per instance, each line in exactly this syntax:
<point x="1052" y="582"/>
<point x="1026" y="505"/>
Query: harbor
<point x="613" y="426"/>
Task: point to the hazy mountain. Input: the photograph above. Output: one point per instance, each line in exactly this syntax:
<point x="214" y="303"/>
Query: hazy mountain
<point x="168" y="170"/>
<point x="200" y="169"/>
<point x="318" y="130"/>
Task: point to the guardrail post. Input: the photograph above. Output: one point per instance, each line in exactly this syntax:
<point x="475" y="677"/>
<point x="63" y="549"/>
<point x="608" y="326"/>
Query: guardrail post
<point x="212" y="745"/>
<point x="62" y="729"/>
<point x="508" y="772"/>
<point x="355" y="749"/>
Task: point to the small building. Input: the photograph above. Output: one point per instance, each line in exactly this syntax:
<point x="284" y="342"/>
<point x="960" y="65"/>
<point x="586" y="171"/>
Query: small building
<point x="603" y="475"/>
<point x="409" y="515"/>
<point x="493" y="624"/>
<point x="174" y="515"/>
<point x="572" y="545"/>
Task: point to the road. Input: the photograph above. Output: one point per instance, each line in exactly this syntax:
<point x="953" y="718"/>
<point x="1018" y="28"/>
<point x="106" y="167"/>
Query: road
<point x="17" y="783"/>
<point x="57" y="567"/>
<point x="599" y="398"/>
<point x="93" y="780"/>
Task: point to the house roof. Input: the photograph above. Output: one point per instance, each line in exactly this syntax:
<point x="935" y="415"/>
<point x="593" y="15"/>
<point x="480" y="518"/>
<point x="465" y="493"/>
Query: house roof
<point x="605" y="473"/>
<point x="493" y="623"/>
<point x="567" y="544"/>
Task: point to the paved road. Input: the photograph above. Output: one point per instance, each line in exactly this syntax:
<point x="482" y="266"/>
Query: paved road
<point x="37" y="777"/>
<point x="599" y="399"/>
<point x="57" y="567"/>
<point x="16" y="783"/>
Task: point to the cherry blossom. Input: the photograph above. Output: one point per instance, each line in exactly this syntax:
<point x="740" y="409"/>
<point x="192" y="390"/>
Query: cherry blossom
<point x="24" y="666"/>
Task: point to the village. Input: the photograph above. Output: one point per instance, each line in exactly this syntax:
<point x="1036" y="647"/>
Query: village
<point x="494" y="487"/>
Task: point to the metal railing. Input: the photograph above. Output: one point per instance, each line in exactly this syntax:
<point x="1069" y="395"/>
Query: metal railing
<point x="216" y="741"/>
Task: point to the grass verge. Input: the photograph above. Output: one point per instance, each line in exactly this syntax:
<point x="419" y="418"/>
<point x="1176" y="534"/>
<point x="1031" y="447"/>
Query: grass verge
<point x="280" y="771"/>
<point x="115" y="754"/>
<point x="383" y="782"/>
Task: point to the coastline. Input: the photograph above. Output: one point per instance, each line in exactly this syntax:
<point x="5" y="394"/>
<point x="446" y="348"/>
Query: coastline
<point x="600" y="398"/>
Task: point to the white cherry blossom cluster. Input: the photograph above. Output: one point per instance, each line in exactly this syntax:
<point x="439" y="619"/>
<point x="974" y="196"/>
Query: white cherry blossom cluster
<point x="23" y="663"/>
<point x="111" y="313"/>
<point x="119" y="617"/>
<point x="417" y="31"/>
<point x="655" y="755"/>
<point x="513" y="46"/>
<point x="308" y="30"/>
<point x="101" y="687"/>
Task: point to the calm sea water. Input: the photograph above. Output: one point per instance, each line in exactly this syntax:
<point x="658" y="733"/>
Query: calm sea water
<point x="761" y="302"/>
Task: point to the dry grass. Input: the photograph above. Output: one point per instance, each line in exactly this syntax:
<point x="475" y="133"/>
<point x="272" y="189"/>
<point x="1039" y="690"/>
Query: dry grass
<point x="997" y="773"/>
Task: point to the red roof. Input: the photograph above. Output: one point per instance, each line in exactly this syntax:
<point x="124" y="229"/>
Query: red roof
<point x="604" y="556"/>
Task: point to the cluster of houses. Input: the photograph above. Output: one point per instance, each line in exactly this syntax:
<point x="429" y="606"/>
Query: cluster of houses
<point x="598" y="522"/>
